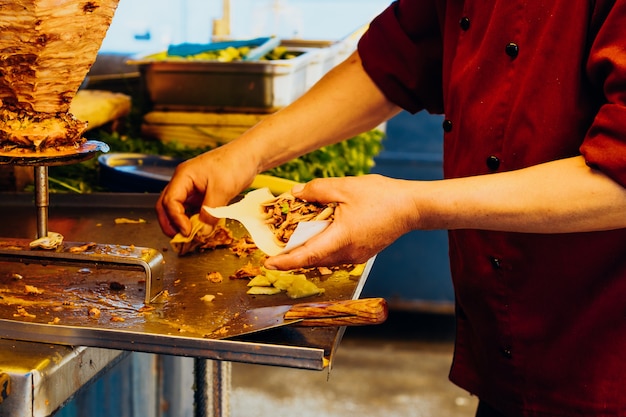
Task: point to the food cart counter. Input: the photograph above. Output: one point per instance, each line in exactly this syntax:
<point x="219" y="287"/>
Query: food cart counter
<point x="59" y="310"/>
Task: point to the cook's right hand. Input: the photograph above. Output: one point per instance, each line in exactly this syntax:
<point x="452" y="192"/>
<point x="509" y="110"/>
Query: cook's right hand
<point x="210" y="179"/>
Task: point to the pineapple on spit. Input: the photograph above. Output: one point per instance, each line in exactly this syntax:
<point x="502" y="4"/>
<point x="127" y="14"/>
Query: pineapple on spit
<point x="46" y="49"/>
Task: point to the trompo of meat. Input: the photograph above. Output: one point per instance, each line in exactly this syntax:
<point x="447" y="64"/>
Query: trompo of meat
<point x="46" y="49"/>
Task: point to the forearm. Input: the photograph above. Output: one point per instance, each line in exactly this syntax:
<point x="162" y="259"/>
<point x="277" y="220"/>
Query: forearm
<point x="341" y="105"/>
<point x="556" y="197"/>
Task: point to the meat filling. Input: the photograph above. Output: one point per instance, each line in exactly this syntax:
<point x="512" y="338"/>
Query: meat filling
<point x="285" y="212"/>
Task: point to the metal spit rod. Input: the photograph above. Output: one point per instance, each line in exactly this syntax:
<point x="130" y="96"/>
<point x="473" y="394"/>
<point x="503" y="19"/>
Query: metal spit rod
<point x="42" y="200"/>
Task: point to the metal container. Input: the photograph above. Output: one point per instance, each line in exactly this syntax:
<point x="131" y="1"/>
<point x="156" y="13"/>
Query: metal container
<point x="253" y="86"/>
<point x="324" y="56"/>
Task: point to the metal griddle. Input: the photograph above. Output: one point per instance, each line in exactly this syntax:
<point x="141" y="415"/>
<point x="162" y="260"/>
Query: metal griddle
<point x="176" y="323"/>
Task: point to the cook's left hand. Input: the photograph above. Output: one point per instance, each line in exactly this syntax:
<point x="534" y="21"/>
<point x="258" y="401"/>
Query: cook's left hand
<point x="373" y="211"/>
<point x="211" y="179"/>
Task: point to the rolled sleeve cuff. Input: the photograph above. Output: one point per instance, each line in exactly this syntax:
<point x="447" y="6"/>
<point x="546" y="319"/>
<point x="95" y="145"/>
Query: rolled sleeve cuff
<point x="406" y="68"/>
<point x="604" y="148"/>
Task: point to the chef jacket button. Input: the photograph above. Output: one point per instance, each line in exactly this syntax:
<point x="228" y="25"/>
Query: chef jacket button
<point x="493" y="162"/>
<point x="495" y="263"/>
<point x="512" y="49"/>
<point x="506" y="352"/>
<point x="447" y="125"/>
<point x="464" y="23"/>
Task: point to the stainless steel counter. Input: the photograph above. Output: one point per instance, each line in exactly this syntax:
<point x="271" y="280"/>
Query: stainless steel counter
<point x="42" y="377"/>
<point x="180" y="324"/>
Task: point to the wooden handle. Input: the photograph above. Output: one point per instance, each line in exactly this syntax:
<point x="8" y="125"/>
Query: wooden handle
<point x="340" y="313"/>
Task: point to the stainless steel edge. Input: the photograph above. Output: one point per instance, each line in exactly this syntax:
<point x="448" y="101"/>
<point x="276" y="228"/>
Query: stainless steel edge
<point x="233" y="351"/>
<point x="148" y="259"/>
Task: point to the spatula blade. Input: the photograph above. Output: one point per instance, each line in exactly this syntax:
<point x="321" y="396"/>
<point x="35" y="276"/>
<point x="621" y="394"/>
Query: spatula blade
<point x="254" y="320"/>
<point x="319" y="314"/>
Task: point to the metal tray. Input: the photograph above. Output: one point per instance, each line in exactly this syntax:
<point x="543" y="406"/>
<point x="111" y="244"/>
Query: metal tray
<point x="255" y="86"/>
<point x="179" y="325"/>
<point x="135" y="172"/>
<point x="143" y="173"/>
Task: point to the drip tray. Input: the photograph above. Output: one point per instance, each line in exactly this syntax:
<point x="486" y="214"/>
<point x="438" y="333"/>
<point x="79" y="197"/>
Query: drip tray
<point x="93" y="257"/>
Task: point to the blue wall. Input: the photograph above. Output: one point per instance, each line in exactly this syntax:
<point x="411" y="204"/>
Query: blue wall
<point x="414" y="271"/>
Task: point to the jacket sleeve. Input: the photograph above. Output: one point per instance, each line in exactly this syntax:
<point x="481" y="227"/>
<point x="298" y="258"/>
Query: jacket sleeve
<point x="402" y="53"/>
<point x="604" y="147"/>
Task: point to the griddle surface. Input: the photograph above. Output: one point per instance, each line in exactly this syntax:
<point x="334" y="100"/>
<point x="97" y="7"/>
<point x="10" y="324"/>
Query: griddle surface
<point x="66" y="310"/>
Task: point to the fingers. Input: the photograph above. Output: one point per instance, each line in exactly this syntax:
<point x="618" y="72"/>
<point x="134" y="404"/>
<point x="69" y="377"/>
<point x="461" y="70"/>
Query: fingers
<point x="310" y="254"/>
<point x="326" y="249"/>
<point x="207" y="179"/>
<point x="180" y="195"/>
<point x="301" y="257"/>
<point x="171" y="215"/>
<point x="323" y="191"/>
<point x="215" y="199"/>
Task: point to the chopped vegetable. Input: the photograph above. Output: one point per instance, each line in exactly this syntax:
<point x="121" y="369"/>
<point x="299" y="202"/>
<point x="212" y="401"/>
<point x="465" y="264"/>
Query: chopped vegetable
<point x="274" y="282"/>
<point x="302" y="287"/>
<point x="284" y="281"/>
<point x="228" y="54"/>
<point x="263" y="291"/>
<point x="259" y="281"/>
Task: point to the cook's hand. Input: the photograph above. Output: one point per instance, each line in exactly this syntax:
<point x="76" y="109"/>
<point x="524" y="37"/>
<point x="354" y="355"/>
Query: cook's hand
<point x="211" y="179"/>
<point x="373" y="211"/>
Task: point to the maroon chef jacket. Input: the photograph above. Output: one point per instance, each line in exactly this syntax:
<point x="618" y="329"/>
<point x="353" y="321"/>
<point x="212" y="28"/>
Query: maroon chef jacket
<point x="541" y="319"/>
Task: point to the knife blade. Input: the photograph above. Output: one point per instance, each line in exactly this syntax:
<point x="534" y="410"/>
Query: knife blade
<point x="360" y="312"/>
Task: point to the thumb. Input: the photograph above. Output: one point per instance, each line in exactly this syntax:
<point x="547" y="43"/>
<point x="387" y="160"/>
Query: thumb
<point x="319" y="190"/>
<point x="298" y="189"/>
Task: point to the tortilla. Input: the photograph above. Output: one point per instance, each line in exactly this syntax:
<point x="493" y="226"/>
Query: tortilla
<point x="248" y="212"/>
<point x="202" y="236"/>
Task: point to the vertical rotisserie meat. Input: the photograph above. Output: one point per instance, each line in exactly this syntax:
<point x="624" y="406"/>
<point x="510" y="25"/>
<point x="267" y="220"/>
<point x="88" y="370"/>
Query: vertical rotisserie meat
<point x="46" y="49"/>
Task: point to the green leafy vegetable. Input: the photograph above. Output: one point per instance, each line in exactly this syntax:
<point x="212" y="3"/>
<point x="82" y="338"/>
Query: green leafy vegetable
<point x="352" y="157"/>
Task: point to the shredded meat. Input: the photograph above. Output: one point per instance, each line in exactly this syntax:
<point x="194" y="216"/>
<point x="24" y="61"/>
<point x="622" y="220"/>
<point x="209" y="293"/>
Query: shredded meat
<point x="247" y="271"/>
<point x="243" y="247"/>
<point x="285" y="212"/>
<point x="214" y="277"/>
<point x="220" y="237"/>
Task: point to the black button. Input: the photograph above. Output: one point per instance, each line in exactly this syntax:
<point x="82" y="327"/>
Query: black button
<point x="506" y="352"/>
<point x="493" y="163"/>
<point x="447" y="125"/>
<point x="512" y="49"/>
<point x="464" y="23"/>
<point x="495" y="262"/>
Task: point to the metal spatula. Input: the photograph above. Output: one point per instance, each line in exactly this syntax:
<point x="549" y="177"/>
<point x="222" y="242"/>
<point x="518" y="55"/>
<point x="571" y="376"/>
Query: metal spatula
<point x="360" y="312"/>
